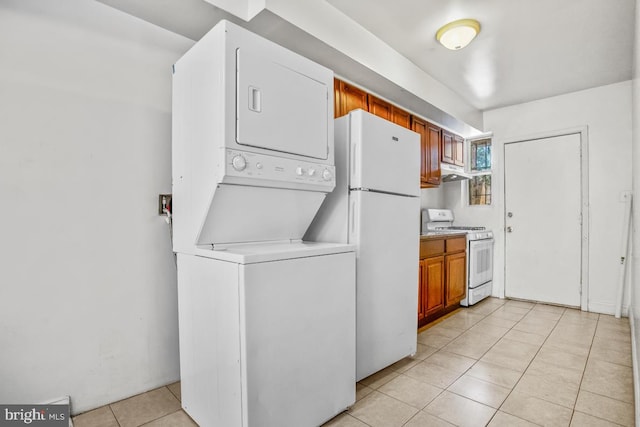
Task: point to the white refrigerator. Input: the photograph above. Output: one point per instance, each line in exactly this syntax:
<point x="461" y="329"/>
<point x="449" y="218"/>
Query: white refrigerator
<point x="376" y="206"/>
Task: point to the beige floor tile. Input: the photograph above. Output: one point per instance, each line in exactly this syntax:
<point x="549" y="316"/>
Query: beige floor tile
<point x="520" y="304"/>
<point x="451" y="361"/>
<point x="555" y="356"/>
<point x="495" y="374"/>
<point x="423" y="419"/>
<point x="344" y="420"/>
<point x="609" y="379"/>
<point x="483" y="309"/>
<point x="438" y="336"/>
<point x="411" y="391"/>
<point x="613" y="332"/>
<point x="572" y="315"/>
<point x="608" y="320"/>
<point x="604" y="407"/>
<point x="554" y="372"/>
<point x="497" y="321"/>
<point x="459" y="410"/>
<point x="471" y="344"/>
<point x="479" y="390"/>
<point x="491" y="329"/>
<point x="511" y="354"/>
<point x="176" y="390"/>
<point x="549" y="388"/>
<point x="547" y="308"/>
<point x="423" y="351"/>
<point x="405" y="364"/>
<point x="536" y="410"/>
<point x="433" y="374"/>
<point x="379" y="378"/>
<point x="100" y="417"/>
<point x="583" y="420"/>
<point x="525" y="337"/>
<point x="536" y="326"/>
<point x="145" y="407"/>
<point x="362" y="390"/>
<point x="463" y="320"/>
<point x="572" y="345"/>
<point x="540" y="314"/>
<point x="509" y="313"/>
<point x="177" y="419"/>
<point x="380" y="410"/>
<point x="611" y="351"/>
<point x="502" y="419"/>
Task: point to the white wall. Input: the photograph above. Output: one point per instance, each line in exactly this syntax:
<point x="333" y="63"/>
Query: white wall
<point x="635" y="270"/>
<point x="88" y="304"/>
<point x="607" y="113"/>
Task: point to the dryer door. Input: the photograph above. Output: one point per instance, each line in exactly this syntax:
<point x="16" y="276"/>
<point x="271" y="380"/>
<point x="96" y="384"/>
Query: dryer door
<point x="279" y="108"/>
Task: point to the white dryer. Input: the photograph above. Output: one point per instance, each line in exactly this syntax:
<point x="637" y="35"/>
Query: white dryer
<point x="267" y="321"/>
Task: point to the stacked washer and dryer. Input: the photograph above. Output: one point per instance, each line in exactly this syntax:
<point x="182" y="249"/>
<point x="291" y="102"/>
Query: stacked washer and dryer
<point x="266" y="320"/>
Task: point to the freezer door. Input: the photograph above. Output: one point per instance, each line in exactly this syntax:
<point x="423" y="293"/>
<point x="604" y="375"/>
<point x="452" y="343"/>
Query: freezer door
<point x="280" y="108"/>
<point x="384" y="156"/>
<point x="386" y="230"/>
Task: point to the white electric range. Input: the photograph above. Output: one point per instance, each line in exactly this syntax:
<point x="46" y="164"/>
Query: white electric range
<point x="479" y="251"/>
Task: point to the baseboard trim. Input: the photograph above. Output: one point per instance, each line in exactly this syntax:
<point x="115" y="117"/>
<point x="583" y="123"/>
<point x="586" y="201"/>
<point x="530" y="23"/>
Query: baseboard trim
<point x="601" y="308"/>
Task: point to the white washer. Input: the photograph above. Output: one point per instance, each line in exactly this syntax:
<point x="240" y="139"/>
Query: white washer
<point x="267" y="334"/>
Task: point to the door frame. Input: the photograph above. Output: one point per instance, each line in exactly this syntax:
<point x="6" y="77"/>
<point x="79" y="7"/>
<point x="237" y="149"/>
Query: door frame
<point x="583" y="132"/>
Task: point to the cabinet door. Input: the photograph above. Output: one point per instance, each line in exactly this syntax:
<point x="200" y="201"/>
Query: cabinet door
<point x="379" y="107"/>
<point x="350" y="98"/>
<point x="458" y="152"/>
<point x="400" y="117"/>
<point x="434" y="135"/>
<point x="422" y="282"/>
<point x="456" y="286"/>
<point x="448" y="149"/>
<point x="434" y="290"/>
<point x="420" y="126"/>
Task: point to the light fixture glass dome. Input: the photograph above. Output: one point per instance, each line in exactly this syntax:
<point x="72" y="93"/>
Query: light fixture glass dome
<point x="458" y="34"/>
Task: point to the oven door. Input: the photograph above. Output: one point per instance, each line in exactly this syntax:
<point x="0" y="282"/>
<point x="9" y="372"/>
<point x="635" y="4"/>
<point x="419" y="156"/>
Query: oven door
<point x="480" y="262"/>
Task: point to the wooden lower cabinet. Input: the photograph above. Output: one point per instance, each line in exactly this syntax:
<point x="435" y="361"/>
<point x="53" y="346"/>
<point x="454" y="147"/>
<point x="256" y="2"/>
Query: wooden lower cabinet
<point x="442" y="277"/>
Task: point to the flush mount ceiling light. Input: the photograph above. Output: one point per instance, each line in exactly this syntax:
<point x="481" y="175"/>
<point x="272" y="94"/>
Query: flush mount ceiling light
<point x="457" y="34"/>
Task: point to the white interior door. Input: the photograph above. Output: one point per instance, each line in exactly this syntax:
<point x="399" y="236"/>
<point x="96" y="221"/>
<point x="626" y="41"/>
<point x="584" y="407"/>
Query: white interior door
<point x="543" y="220"/>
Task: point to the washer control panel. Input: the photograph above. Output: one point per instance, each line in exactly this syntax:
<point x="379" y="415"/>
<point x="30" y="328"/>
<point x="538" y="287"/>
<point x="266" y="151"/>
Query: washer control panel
<point x="272" y="168"/>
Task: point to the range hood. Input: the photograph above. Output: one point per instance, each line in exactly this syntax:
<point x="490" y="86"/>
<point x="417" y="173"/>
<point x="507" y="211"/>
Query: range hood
<point x="449" y="173"/>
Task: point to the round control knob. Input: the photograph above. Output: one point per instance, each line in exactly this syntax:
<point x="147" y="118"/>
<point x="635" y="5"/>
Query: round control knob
<point x="259" y="165"/>
<point x="311" y="172"/>
<point x="299" y="171"/>
<point x="326" y="175"/>
<point x="239" y="163"/>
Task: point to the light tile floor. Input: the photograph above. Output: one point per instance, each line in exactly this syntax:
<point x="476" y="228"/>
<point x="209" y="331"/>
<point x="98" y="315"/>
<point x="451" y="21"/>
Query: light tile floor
<point x="498" y="363"/>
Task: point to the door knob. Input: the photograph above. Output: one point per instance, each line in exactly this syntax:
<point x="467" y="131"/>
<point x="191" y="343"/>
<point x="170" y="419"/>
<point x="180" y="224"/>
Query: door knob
<point x="509" y="229"/>
<point x="510" y="214"/>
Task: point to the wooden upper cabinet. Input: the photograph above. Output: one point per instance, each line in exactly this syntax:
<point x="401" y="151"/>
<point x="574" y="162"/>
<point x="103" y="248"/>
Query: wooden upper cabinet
<point x="452" y="148"/>
<point x="447" y="147"/>
<point x="429" y="151"/>
<point x="379" y="107"/>
<point x="348" y="98"/>
<point x="400" y="117"/>
<point x="458" y="152"/>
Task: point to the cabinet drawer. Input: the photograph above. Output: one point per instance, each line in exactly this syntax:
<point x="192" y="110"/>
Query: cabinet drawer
<point x="457" y="244"/>
<point x="430" y="248"/>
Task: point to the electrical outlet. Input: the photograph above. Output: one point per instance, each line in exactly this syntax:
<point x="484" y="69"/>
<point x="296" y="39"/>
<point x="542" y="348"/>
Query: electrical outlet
<point x="164" y="201"/>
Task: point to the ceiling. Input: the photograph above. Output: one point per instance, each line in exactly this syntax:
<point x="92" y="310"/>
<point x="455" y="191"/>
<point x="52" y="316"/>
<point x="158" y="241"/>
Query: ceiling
<point x="526" y="50"/>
